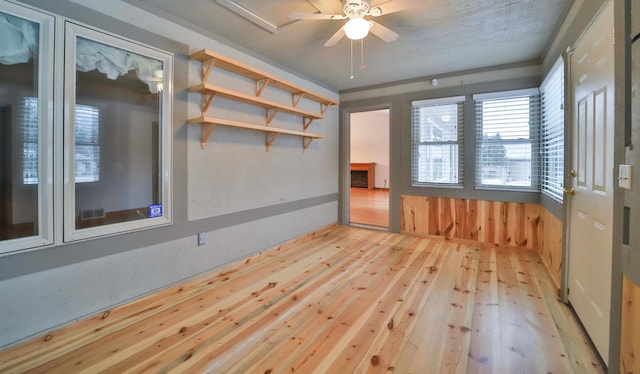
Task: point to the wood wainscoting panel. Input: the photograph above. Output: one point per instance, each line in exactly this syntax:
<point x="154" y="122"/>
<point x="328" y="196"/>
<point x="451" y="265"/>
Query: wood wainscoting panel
<point x="550" y="248"/>
<point x="630" y="336"/>
<point x="494" y="222"/>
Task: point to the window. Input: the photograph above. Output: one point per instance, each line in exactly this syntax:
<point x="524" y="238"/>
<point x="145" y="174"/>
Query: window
<point x="87" y="144"/>
<point x="26" y="92"/>
<point x="552" y="132"/>
<point x="507" y="140"/>
<point x="437" y="141"/>
<point x="87" y="139"/>
<point x="118" y="135"/>
<point x="113" y="137"/>
<point x="29" y="119"/>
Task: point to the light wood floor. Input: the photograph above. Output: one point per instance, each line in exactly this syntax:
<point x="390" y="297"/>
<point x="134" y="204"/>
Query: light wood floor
<point x="369" y="207"/>
<point x="343" y="300"/>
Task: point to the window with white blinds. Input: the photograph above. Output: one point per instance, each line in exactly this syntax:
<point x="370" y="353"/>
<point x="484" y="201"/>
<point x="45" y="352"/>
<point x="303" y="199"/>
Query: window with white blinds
<point x="552" y="132"/>
<point x="28" y="118"/>
<point x="87" y="141"/>
<point x="507" y="140"/>
<point x="437" y="141"/>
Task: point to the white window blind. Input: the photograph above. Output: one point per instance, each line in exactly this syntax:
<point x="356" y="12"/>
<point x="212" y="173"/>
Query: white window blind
<point x="28" y="118"/>
<point x="552" y="132"/>
<point x="437" y="141"/>
<point x="507" y="141"/>
<point x="87" y="142"/>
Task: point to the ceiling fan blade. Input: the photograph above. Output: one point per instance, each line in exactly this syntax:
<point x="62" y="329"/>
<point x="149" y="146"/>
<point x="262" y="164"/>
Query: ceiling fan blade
<point x="383" y="32"/>
<point x="335" y="38"/>
<point x="316" y="16"/>
<point x="393" y="6"/>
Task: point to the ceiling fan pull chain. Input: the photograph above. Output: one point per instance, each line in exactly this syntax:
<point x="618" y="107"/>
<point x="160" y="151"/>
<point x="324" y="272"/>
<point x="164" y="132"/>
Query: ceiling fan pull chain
<point x="351" y="44"/>
<point x="362" y="66"/>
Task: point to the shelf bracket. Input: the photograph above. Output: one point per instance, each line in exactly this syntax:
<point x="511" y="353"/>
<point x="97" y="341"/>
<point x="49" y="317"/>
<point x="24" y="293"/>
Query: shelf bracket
<point x="271" y="137"/>
<point x="306" y="142"/>
<point x="206" y="101"/>
<point x="306" y="122"/>
<point x="261" y="84"/>
<point x="271" y="113"/>
<point x="324" y="107"/>
<point x="207" y="66"/>
<point x="295" y="98"/>
<point x="207" y="129"/>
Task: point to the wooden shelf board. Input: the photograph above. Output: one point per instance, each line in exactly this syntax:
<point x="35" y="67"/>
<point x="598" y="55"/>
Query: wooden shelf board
<point x="237" y="67"/>
<point x="210" y="89"/>
<point x="244" y="125"/>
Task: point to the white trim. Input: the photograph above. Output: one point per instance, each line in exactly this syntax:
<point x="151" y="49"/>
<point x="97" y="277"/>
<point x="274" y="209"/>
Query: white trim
<point x="45" y="132"/>
<point x="439" y="101"/>
<point x="72" y="31"/>
<point x="545" y="81"/>
<point x="505" y="94"/>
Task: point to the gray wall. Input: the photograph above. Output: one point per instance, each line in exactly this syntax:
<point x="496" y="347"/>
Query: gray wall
<point x="243" y="198"/>
<point x="398" y="99"/>
<point x="399" y="95"/>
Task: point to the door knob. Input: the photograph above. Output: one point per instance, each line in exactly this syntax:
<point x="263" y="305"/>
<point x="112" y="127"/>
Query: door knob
<point x="571" y="191"/>
<point x="572" y="173"/>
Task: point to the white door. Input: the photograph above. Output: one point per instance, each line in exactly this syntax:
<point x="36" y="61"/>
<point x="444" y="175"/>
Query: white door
<point x="591" y="207"/>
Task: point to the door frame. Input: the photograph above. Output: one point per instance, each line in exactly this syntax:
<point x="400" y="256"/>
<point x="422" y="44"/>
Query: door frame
<point x="344" y="180"/>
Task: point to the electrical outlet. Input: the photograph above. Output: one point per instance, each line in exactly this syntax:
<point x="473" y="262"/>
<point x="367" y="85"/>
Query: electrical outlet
<point x="202" y="238"/>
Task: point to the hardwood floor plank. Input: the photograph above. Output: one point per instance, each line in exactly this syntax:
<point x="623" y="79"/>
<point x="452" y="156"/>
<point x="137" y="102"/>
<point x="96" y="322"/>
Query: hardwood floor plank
<point x="340" y="333"/>
<point x="66" y="338"/>
<point x="344" y="300"/>
<point x="329" y="303"/>
<point x="547" y="352"/>
<point x="485" y="355"/>
<point x="381" y="318"/>
<point x="238" y="320"/>
<point x="581" y="355"/>
<point x="424" y="347"/>
<point x="515" y="338"/>
<point x="369" y="207"/>
<point x="461" y="318"/>
<point x="389" y="344"/>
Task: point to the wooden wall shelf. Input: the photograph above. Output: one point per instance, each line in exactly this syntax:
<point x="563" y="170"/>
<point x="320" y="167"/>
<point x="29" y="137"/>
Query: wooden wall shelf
<point x="209" y="91"/>
<point x="210" y="59"/>
<point x="209" y="123"/>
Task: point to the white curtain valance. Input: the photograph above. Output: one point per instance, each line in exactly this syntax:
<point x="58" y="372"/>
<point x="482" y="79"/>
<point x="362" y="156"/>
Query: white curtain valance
<point x="19" y="41"/>
<point x="114" y="62"/>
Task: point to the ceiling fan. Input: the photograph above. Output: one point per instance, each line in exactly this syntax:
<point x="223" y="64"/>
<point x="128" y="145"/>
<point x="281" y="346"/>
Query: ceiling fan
<point x="358" y="27"/>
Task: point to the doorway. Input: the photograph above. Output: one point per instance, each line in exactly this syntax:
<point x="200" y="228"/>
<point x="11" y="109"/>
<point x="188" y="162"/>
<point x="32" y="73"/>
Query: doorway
<point x="590" y="194"/>
<point x="369" y="168"/>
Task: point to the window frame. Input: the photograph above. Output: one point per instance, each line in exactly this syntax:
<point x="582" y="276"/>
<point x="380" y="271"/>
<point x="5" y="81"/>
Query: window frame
<point x="459" y="101"/>
<point x="533" y="140"/>
<point x="73" y="30"/>
<point x="553" y="190"/>
<point x="45" y="235"/>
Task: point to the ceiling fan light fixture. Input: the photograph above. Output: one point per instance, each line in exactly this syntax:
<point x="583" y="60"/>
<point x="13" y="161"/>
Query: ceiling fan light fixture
<point x="357" y="28"/>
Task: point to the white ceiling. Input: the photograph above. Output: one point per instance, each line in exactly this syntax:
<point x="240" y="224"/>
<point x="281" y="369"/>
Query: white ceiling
<point x="436" y="36"/>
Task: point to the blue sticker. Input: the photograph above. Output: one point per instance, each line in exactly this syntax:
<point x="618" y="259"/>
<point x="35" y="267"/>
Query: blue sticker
<point x="155" y="210"/>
